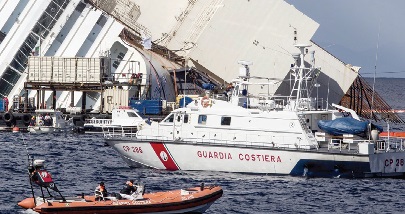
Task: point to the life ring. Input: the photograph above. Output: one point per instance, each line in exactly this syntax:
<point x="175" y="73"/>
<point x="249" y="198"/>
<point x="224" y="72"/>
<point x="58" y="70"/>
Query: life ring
<point x="205" y="102"/>
<point x="8" y="117"/>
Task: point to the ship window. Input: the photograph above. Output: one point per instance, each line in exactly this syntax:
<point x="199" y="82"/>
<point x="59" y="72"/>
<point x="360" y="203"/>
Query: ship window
<point x="202" y="119"/>
<point x="169" y="119"/>
<point x="226" y="121"/>
<point x="186" y="118"/>
<point x="178" y="118"/>
<point x="131" y="114"/>
<point x="120" y="57"/>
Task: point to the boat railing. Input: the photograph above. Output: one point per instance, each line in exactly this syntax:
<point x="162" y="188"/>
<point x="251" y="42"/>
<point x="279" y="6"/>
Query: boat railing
<point x="254" y="140"/>
<point x="380" y="146"/>
<point x="248" y="140"/>
<point x="267" y="102"/>
<point x="118" y="132"/>
<point x="391" y="144"/>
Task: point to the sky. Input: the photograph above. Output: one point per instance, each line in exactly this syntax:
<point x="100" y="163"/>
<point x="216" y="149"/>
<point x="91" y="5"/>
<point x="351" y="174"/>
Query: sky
<point x="365" y="33"/>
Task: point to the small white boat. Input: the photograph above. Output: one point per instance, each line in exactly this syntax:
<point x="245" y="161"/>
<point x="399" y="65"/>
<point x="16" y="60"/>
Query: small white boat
<point x="49" y="121"/>
<point x="123" y="118"/>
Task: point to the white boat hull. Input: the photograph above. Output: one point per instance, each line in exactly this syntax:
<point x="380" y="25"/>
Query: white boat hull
<point x="47" y="129"/>
<point x="211" y="157"/>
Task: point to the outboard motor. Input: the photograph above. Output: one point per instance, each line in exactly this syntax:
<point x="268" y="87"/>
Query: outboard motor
<point x="40" y="176"/>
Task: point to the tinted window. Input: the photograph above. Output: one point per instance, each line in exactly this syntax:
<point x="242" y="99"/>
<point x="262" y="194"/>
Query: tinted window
<point x="186" y="118"/>
<point x="202" y="119"/>
<point x="131" y="114"/>
<point x="226" y="121"/>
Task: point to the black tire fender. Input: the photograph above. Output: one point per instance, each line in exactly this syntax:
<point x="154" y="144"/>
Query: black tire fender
<point x="8" y="117"/>
<point x="26" y="118"/>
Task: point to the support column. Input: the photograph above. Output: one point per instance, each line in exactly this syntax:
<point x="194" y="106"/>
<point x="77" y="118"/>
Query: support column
<point x="26" y="101"/>
<point x="38" y="99"/>
<point x="72" y="98"/>
<point x="102" y="101"/>
<point x="43" y="105"/>
<point x="53" y="99"/>
<point x="84" y="102"/>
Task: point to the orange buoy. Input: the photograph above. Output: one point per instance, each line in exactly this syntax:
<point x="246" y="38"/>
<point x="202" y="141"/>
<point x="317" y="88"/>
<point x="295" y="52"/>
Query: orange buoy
<point x="16" y="129"/>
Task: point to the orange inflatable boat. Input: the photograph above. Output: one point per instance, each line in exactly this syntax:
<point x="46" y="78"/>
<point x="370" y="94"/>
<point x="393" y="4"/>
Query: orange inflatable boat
<point x="191" y="200"/>
<point x="187" y="200"/>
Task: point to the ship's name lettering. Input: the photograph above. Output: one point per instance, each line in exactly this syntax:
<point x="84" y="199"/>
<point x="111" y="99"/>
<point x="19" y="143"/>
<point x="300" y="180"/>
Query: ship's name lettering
<point x="396" y="162"/>
<point x="214" y="155"/>
<point x="259" y="157"/>
<point x="134" y="149"/>
<point x="242" y="157"/>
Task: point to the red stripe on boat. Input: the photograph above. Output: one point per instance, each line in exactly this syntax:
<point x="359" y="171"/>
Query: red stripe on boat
<point x="164" y="156"/>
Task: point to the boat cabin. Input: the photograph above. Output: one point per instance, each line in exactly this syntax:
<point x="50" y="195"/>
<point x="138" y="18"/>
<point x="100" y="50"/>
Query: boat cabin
<point x="47" y="117"/>
<point x="126" y="116"/>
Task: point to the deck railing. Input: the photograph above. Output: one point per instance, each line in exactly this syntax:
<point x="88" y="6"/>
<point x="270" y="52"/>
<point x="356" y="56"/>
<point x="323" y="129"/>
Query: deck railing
<point x="258" y="141"/>
<point x="380" y="146"/>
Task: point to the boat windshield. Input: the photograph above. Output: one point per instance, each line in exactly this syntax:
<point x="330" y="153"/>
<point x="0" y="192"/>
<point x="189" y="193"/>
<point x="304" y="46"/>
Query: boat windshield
<point x="169" y="119"/>
<point x="132" y="114"/>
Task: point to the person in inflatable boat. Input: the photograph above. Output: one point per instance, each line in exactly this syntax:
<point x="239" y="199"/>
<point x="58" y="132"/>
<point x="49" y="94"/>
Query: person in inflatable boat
<point x="101" y="191"/>
<point x="128" y="190"/>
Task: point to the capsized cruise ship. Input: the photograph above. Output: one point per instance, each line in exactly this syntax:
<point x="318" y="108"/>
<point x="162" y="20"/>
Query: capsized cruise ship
<point x="210" y="36"/>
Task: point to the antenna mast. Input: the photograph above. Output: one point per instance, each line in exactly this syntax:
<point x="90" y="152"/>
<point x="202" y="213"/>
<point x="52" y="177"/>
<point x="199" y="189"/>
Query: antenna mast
<point x="300" y="75"/>
<point x="375" y="69"/>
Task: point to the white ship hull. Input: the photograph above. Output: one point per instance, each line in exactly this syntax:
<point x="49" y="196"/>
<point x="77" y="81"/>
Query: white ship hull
<point x="210" y="157"/>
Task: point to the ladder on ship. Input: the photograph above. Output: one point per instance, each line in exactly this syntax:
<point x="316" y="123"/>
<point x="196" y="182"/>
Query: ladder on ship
<point x="308" y="133"/>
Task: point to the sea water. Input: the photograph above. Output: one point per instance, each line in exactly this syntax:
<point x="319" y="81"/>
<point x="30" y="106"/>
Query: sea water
<point x="79" y="162"/>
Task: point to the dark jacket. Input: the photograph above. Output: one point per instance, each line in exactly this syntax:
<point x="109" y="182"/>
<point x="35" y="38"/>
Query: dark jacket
<point x="128" y="189"/>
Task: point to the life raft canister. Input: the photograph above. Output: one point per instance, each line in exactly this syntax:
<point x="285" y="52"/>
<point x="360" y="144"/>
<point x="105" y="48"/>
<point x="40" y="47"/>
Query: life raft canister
<point x="205" y="102"/>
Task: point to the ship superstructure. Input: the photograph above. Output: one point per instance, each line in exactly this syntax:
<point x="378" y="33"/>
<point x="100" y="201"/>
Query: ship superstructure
<point x="72" y="29"/>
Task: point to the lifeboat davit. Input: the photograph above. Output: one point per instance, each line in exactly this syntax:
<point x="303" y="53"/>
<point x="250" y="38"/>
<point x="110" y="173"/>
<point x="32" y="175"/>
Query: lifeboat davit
<point x="190" y="200"/>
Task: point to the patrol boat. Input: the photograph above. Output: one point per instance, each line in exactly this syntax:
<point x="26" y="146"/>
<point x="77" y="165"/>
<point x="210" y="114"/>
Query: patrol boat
<point x="53" y="124"/>
<point x="262" y="133"/>
<point x="187" y="200"/>
<point x="123" y="117"/>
